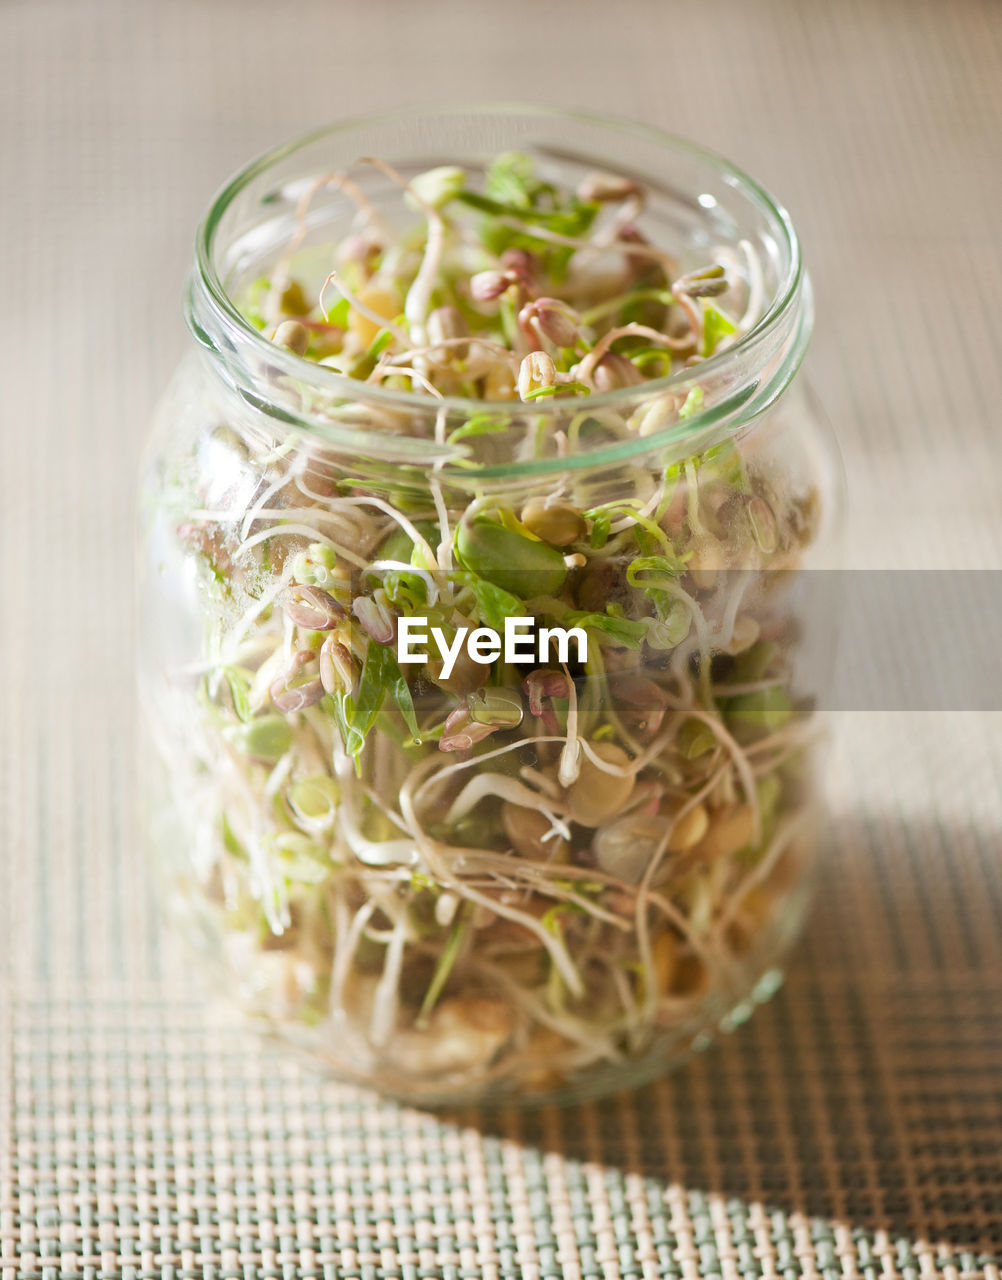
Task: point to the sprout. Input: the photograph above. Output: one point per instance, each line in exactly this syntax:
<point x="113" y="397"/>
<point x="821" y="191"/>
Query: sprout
<point x="338" y="669"/>
<point x="604" y="187"/>
<point x="376" y="618"/>
<point x="288" y="692"/>
<point x="461" y="731"/>
<point x="613" y="372"/>
<point x="293" y="335"/>
<point x="626" y="848"/>
<point x="265" y="738"/>
<point x="536" y="372"/>
<point x="567" y="853"/>
<point x="312" y="608"/>
<point x="315" y="566"/>
<point x="486" y="286"/>
<point x="446" y="324"/>
<point x="555" y="522"/>
<point x="552" y="319"/>
<point x="435" y="187"/>
<point x="600" y="792"/>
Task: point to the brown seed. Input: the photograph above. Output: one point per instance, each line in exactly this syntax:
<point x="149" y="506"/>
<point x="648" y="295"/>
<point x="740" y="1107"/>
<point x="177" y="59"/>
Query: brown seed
<point x="525" y="828"/>
<point x="689" y="829"/>
<point x="378" y="298"/>
<point x="643" y="703"/>
<point x="544" y="683"/>
<point x="338" y="669"/>
<point x="596" y="795"/>
<point x="290" y="697"/>
<point x="553" y="319"/>
<point x="293" y="301"/>
<point x="293" y="335"/>
<point x="557" y="523"/>
<point x="312" y="608"/>
<point x="299" y="697"/>
<point x="664" y="957"/>
<point x="626" y="847"/>
<point x="595" y="587"/>
<point x="459" y="732"/>
<point x="377" y="620"/>
<point x="728" y="832"/>
<point x="485" y="286"/>
<point x="613" y="372"/>
<point x="705" y="563"/>
<point x="689" y="977"/>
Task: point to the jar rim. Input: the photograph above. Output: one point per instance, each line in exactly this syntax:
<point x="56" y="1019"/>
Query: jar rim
<point x="231" y="317"/>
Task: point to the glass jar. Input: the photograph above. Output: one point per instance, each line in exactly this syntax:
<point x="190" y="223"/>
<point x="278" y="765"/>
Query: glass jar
<point x="548" y="874"/>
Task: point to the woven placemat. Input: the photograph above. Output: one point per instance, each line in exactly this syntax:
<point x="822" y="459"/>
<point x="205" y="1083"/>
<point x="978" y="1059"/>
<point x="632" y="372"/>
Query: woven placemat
<point x="854" y="1126"/>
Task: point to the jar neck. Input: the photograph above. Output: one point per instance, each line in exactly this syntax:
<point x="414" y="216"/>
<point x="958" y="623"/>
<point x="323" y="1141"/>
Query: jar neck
<point x="731" y="393"/>
<point x="254" y="219"/>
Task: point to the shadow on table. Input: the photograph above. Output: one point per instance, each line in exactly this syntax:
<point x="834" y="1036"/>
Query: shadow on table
<point x="869" y="1091"/>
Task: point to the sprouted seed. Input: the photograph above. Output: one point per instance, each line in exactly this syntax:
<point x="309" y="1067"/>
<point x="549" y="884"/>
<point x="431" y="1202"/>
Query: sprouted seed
<point x="503" y="877"/>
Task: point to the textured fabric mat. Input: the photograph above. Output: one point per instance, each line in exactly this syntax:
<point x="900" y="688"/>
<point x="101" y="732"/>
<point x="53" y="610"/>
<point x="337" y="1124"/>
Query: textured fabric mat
<point x="854" y="1126"/>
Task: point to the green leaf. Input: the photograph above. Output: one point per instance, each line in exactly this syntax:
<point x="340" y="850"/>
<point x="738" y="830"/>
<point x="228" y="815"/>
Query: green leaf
<point x="752" y="665"/>
<point x="511" y="179"/>
<point x="300" y="858"/>
<point x="725" y="459"/>
<point x="672" y="625"/>
<point x="338" y="313"/>
<point x="494" y="604"/>
<point x="573" y="221"/>
<point x="398" y="544"/>
<point x="265" y="737"/>
<point x="623" y="631"/>
<point x="399" y="691"/>
<point x="652" y="357"/>
<point x="558" y="389"/>
<point x="379" y="344"/>
<point x="443" y="968"/>
<point x="693" y="404"/>
<point x="695" y="739"/>
<point x="481" y="424"/>
<point x="435" y="187"/>
<point x="716" y="325"/>
<point x="660" y="568"/>
<point x="230" y="842"/>
<point x="360" y="714"/>
<point x="600" y="529"/>
<point x="240" y="692"/>
<point x="254" y="300"/>
<point x="408" y="591"/>
<point x="767" y="709"/>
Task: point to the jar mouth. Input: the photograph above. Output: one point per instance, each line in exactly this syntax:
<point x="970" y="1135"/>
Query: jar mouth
<point x="239" y="333"/>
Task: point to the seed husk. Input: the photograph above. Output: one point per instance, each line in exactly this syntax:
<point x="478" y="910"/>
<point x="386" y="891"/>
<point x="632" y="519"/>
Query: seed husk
<point x="312" y="608"/>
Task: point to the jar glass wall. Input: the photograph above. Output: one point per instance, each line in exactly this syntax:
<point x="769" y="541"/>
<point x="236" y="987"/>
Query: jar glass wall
<point x="546" y="874"/>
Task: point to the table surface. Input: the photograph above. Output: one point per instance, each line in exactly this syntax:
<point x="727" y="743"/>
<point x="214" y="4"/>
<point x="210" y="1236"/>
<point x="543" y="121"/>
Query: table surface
<point x="855" y="1125"/>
